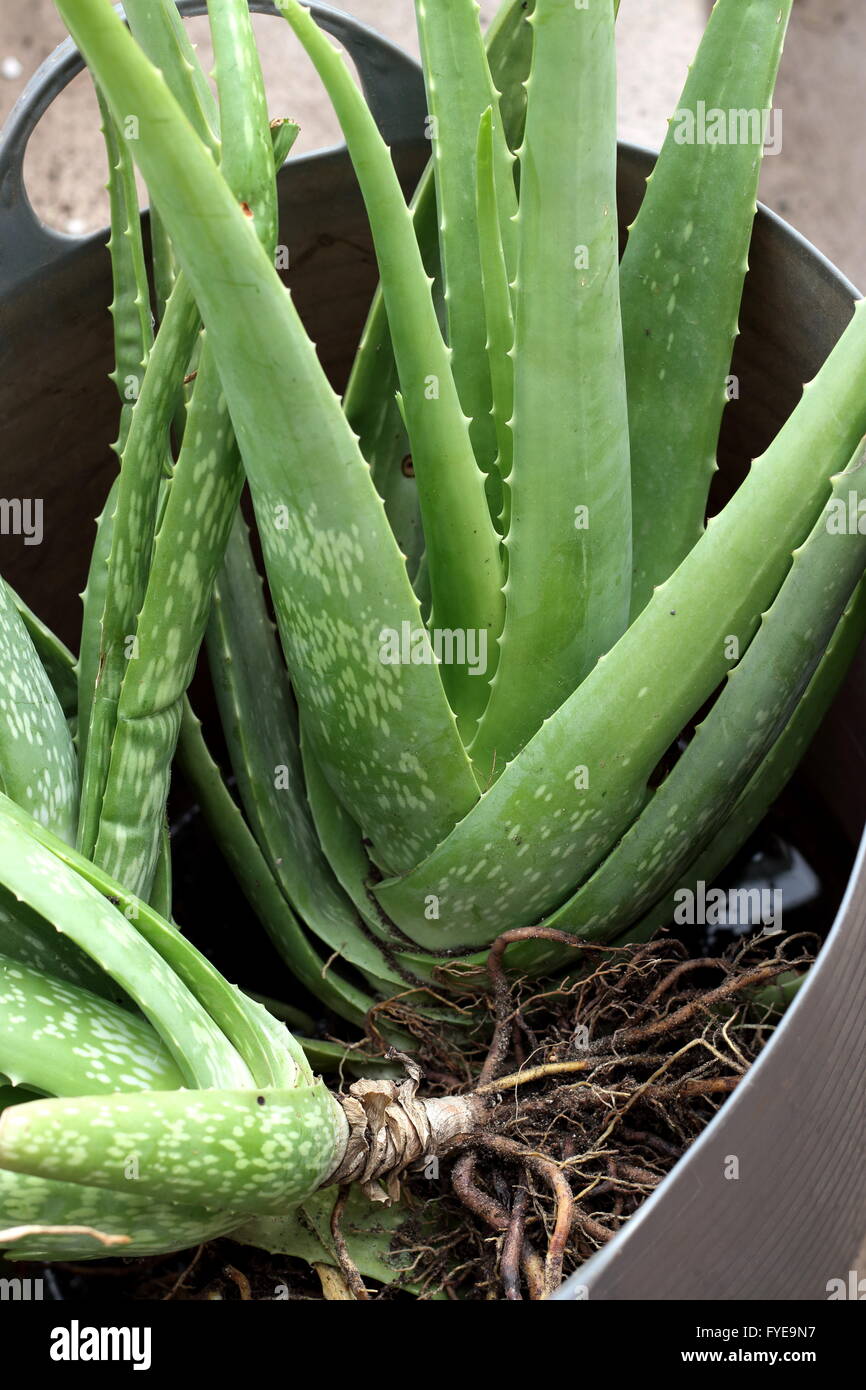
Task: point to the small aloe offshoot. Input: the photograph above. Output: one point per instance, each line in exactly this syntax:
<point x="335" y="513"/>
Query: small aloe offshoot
<point x="478" y="663"/>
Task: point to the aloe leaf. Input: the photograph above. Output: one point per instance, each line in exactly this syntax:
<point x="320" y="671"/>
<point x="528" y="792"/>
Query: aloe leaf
<point x="682" y="280"/>
<point x="204" y="492"/>
<point x="498" y="310"/>
<point x="341" y="841"/>
<point x="133" y="340"/>
<point x="27" y="938"/>
<point x="373" y="411"/>
<point x="509" y="50"/>
<point x="60" y="667"/>
<point x="577" y="786"/>
<point x="130" y="306"/>
<point x="48" y="886"/>
<point x="343" y="847"/>
<point x="57" y="660"/>
<point x="260" y="725"/>
<point x="774" y="773"/>
<point x="37" y="760"/>
<point x="288" y="1063"/>
<point x="132" y="524"/>
<point x="154" y="1227"/>
<point x="569" y="566"/>
<point x="284" y="133"/>
<point x="164" y="264"/>
<point x="224" y="1003"/>
<point x="370" y="399"/>
<point x="161" y="33"/>
<point x="248" y="864"/>
<point x="459" y="90"/>
<point x="368" y="1227"/>
<point x="65" y="1041"/>
<point x="761" y="696"/>
<point x="298" y="1020"/>
<point x="259" y="883"/>
<point x="296" y="818"/>
<point x="93" y="600"/>
<point x="187" y="553"/>
<point x="160" y="896"/>
<point x="247" y="147"/>
<point x="256" y="1151"/>
<point x="384" y="734"/>
<point x="462" y="544"/>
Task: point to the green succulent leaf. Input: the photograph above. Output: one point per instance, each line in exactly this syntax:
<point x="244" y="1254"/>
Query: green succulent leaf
<point x="569" y="538"/>
<point x="498" y="309"/>
<point x="130" y="307"/>
<point x="65" y="1041"/>
<point x="57" y="660"/>
<point x="48" y="886"/>
<point x="682" y="279"/>
<point x="777" y="769"/>
<point x="566" y="799"/>
<point x="459" y="90"/>
<point x="37" y="760"/>
<point x="159" y="29"/>
<point x="154" y="1227"/>
<point x="249" y="1150"/>
<point x="132" y="524"/>
<point x="761" y="695"/>
<point x="260" y="723"/>
<point x="461" y="541"/>
<point x="253" y="873"/>
<point x="31" y="940"/>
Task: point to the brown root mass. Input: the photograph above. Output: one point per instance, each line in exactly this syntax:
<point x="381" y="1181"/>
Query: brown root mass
<point x="597" y="1085"/>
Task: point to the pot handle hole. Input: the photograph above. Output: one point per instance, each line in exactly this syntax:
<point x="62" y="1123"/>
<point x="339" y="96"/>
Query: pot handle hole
<point x="391" y="81"/>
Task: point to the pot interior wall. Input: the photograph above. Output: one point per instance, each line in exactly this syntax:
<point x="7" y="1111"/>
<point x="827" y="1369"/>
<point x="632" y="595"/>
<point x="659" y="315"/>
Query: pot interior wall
<point x="59" y="410"/>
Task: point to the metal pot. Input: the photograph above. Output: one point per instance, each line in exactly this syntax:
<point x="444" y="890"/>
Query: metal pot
<point x="797" y="1124"/>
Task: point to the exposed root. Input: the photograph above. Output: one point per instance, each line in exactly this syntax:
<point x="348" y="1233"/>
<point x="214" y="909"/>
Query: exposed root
<point x="613" y="1074"/>
<point x="502" y="994"/>
<point x="240" y="1281"/>
<point x="351" y="1273"/>
<point x="495" y="1216"/>
<point x="512" y="1247"/>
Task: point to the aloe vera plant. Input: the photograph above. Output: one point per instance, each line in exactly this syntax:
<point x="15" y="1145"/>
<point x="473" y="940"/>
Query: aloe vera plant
<point x="477" y="663"/>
